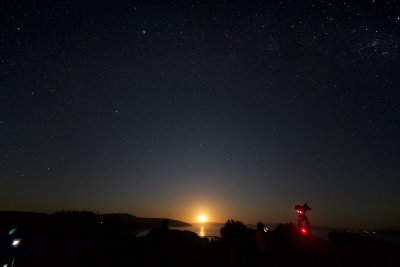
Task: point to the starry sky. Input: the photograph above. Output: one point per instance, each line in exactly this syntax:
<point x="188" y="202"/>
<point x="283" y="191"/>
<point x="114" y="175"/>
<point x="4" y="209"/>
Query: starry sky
<point x="233" y="109"/>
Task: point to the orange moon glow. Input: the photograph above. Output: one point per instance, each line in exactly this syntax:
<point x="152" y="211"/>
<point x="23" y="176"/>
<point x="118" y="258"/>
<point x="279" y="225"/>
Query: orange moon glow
<point x="202" y="218"/>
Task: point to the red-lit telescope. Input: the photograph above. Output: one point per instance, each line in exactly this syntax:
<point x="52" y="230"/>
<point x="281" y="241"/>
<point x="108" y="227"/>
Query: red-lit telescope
<point x="301" y="210"/>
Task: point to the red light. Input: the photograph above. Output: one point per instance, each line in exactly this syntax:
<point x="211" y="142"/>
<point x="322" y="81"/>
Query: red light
<point x="299" y="211"/>
<point x="303" y="230"/>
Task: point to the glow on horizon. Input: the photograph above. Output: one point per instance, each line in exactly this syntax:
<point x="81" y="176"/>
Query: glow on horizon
<point x="202" y="218"/>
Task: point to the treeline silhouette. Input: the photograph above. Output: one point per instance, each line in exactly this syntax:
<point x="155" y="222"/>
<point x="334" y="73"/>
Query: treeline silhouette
<point x="85" y="238"/>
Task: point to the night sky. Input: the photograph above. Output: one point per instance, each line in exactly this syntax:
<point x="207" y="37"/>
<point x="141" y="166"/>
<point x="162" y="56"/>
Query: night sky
<point x="234" y="109"/>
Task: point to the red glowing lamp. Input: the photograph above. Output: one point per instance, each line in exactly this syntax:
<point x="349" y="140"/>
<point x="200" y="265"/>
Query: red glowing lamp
<point x="303" y="231"/>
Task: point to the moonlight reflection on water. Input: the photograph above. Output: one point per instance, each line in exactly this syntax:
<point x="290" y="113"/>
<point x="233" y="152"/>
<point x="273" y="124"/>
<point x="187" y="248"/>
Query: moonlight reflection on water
<point x="202" y="233"/>
<point x="203" y="229"/>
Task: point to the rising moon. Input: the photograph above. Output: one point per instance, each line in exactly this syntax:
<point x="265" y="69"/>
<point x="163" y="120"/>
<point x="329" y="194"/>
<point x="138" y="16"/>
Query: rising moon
<point x="202" y="218"/>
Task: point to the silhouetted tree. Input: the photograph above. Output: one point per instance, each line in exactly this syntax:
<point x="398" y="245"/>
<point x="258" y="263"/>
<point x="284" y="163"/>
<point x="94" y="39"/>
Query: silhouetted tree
<point x="233" y="229"/>
<point x="239" y="242"/>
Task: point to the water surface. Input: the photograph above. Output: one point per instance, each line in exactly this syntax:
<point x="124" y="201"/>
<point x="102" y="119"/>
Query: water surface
<point x="203" y="229"/>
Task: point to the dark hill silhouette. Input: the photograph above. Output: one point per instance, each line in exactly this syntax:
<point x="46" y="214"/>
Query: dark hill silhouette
<point x="131" y="224"/>
<point x="121" y="222"/>
<point x="87" y="239"/>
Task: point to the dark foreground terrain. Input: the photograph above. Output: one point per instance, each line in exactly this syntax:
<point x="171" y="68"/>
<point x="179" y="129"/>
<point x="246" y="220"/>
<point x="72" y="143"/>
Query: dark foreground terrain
<point x="88" y="239"/>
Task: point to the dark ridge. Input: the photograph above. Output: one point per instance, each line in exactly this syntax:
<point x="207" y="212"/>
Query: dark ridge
<point x="121" y="222"/>
<point x="84" y="238"/>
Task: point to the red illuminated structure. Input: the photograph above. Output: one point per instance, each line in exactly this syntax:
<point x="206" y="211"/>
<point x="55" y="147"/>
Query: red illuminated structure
<point x="301" y="210"/>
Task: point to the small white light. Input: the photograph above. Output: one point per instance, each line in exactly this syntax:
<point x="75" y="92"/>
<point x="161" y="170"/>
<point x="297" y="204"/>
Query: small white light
<point x="15" y="242"/>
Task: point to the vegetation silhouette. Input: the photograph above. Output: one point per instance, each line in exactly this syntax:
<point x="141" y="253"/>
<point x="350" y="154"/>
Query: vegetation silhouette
<point x="72" y="238"/>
